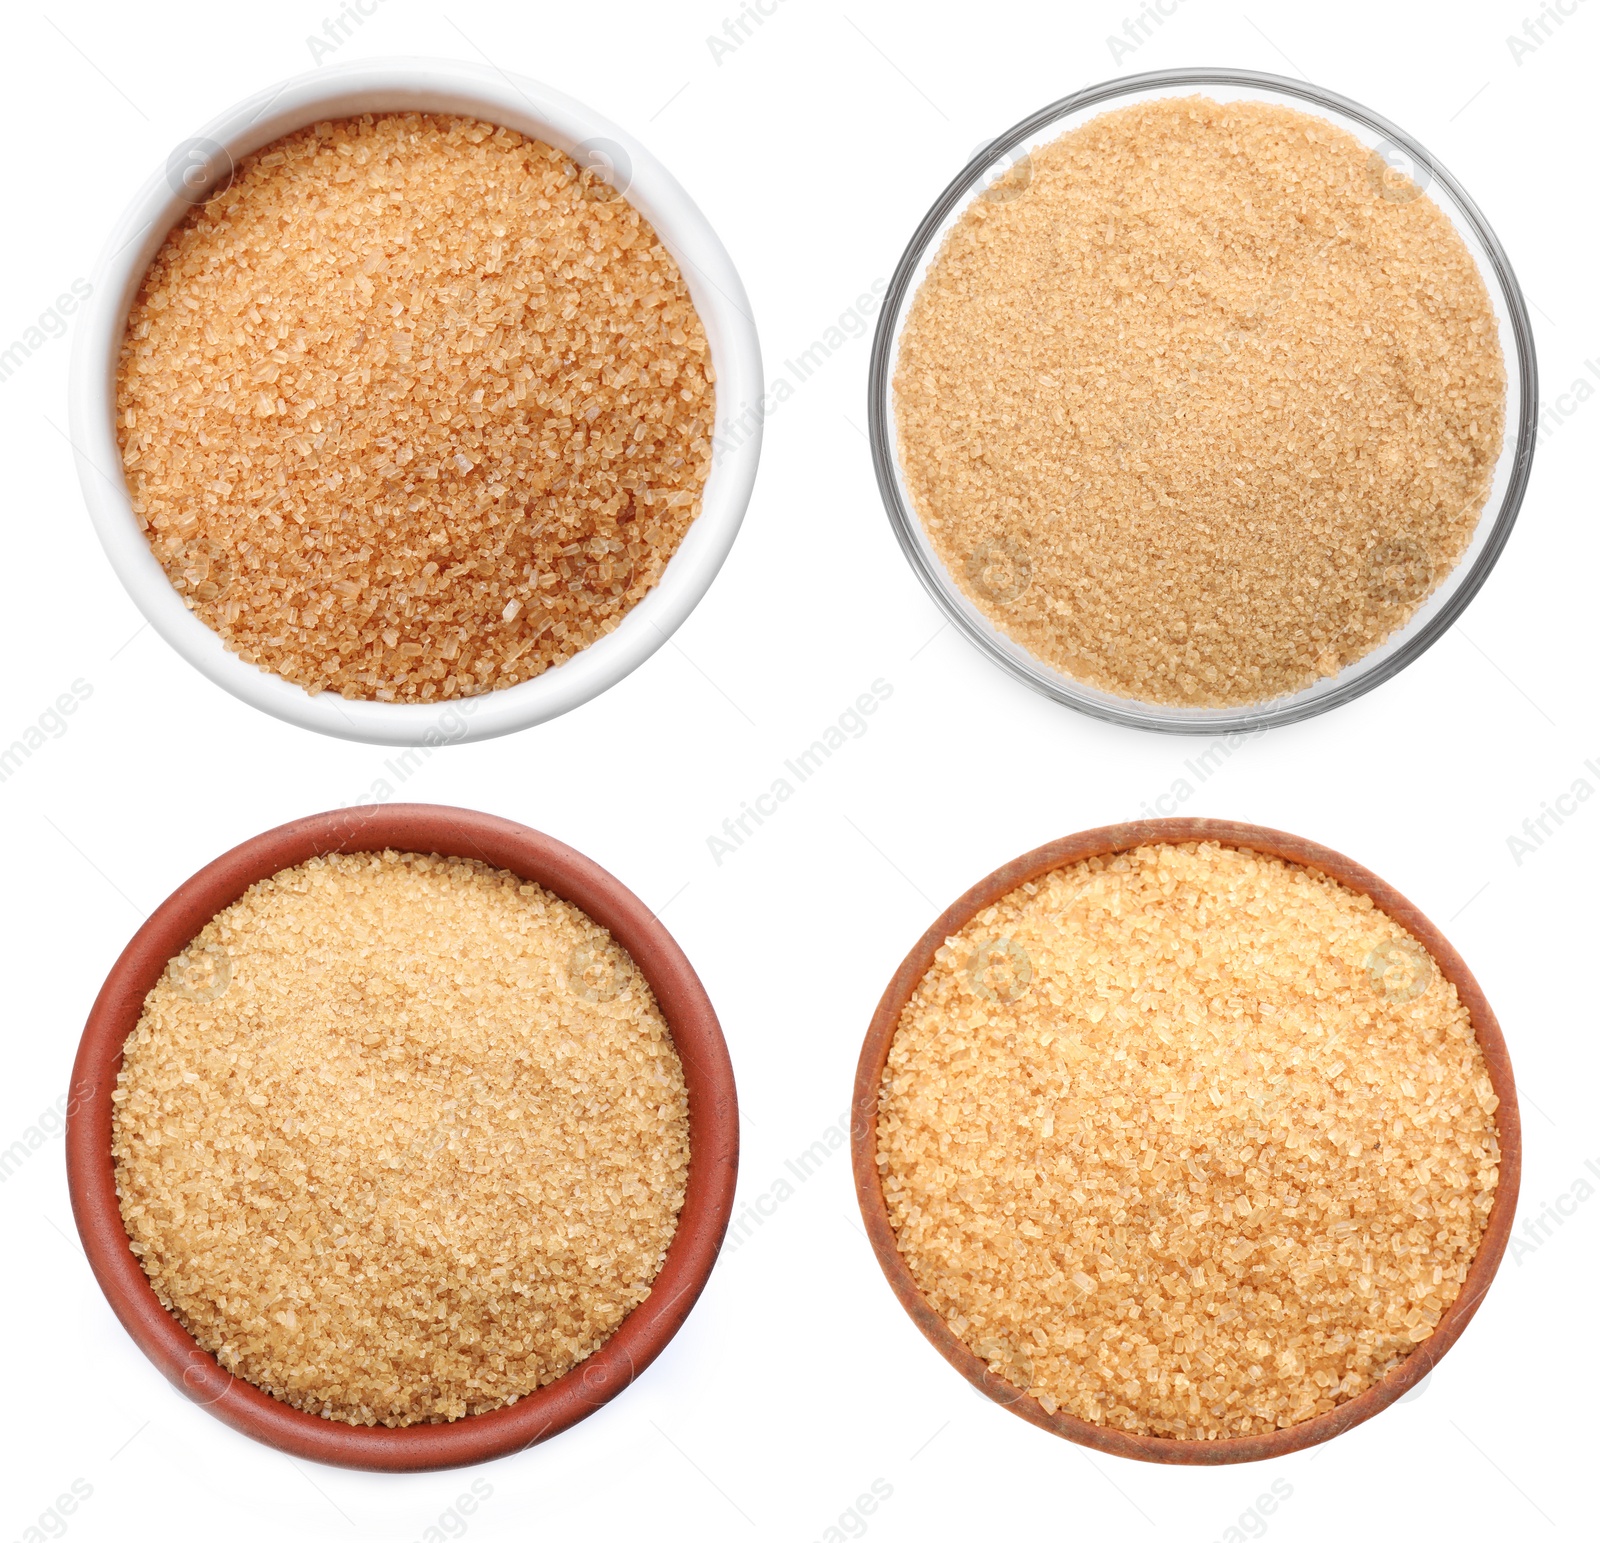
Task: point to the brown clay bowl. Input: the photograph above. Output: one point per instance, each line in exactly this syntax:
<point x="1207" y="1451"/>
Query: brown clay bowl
<point x="1121" y="838"/>
<point x="713" y="1138"/>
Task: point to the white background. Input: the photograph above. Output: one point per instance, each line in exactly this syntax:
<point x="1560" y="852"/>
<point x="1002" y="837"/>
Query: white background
<point x="814" y="149"/>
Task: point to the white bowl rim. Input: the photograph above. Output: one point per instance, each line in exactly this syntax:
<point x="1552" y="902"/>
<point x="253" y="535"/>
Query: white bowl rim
<point x="491" y="95"/>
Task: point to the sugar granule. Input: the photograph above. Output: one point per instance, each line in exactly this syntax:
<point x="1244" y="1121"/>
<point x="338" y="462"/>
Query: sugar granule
<point x="1200" y="402"/>
<point x="400" y="1138"/>
<point x="1189" y="1142"/>
<point x="415" y="409"/>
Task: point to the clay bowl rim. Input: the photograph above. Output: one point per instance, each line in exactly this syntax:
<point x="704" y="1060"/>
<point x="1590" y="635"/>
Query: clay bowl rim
<point x="713" y="1138"/>
<point x="1106" y="841"/>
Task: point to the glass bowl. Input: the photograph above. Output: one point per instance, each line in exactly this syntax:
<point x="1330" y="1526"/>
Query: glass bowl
<point x="1398" y="150"/>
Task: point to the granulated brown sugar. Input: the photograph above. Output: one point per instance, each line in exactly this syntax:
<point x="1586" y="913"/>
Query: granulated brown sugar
<point x="415" y="409"/>
<point x="1188" y="1142"/>
<point x="1199" y="403"/>
<point x="401" y="1138"/>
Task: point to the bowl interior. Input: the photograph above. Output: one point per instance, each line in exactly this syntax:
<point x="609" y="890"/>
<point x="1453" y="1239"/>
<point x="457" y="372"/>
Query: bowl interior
<point x="1446" y="602"/>
<point x="1104" y="842"/>
<point x="532" y="109"/>
<point x="713" y="1136"/>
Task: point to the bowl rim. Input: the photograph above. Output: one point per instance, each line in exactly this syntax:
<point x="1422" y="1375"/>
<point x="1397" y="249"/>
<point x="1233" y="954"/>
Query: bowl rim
<point x="713" y="1138"/>
<point x="449" y="86"/>
<point x="1106" y="841"/>
<point x="1159" y="717"/>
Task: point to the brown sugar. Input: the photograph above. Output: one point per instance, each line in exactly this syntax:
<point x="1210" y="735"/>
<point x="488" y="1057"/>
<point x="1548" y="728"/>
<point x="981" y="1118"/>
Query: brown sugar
<point x="400" y="1138"/>
<point x="415" y="409"/>
<point x="1188" y="1142"/>
<point x="1200" y="402"/>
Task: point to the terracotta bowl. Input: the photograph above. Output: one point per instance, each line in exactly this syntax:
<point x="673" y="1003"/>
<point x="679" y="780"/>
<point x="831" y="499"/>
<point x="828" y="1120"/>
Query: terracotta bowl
<point x="713" y="1138"/>
<point x="1121" y="838"/>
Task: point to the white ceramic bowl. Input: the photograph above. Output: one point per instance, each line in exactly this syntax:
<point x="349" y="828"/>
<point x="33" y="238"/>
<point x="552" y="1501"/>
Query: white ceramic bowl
<point x="439" y="86"/>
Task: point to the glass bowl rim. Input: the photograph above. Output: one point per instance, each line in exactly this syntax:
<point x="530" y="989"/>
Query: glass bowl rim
<point x="1129" y="711"/>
